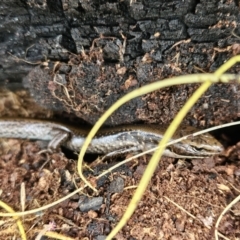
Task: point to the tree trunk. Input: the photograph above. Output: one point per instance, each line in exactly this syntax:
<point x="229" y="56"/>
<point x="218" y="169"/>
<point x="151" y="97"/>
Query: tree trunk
<point x="81" y="56"/>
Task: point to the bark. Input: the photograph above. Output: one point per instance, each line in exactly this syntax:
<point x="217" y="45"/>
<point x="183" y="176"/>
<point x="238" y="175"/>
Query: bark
<point x="81" y="56"/>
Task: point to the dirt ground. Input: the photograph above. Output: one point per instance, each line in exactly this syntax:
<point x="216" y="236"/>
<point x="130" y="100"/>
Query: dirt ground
<point x="183" y="200"/>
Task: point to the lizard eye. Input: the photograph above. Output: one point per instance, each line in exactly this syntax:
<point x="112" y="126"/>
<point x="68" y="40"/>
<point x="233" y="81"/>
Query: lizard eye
<point x="199" y="149"/>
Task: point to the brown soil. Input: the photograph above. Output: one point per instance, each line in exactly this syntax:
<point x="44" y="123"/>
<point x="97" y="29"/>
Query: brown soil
<point x="202" y="188"/>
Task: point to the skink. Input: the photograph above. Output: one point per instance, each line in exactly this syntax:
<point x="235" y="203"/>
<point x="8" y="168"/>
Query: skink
<point x="109" y="141"/>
